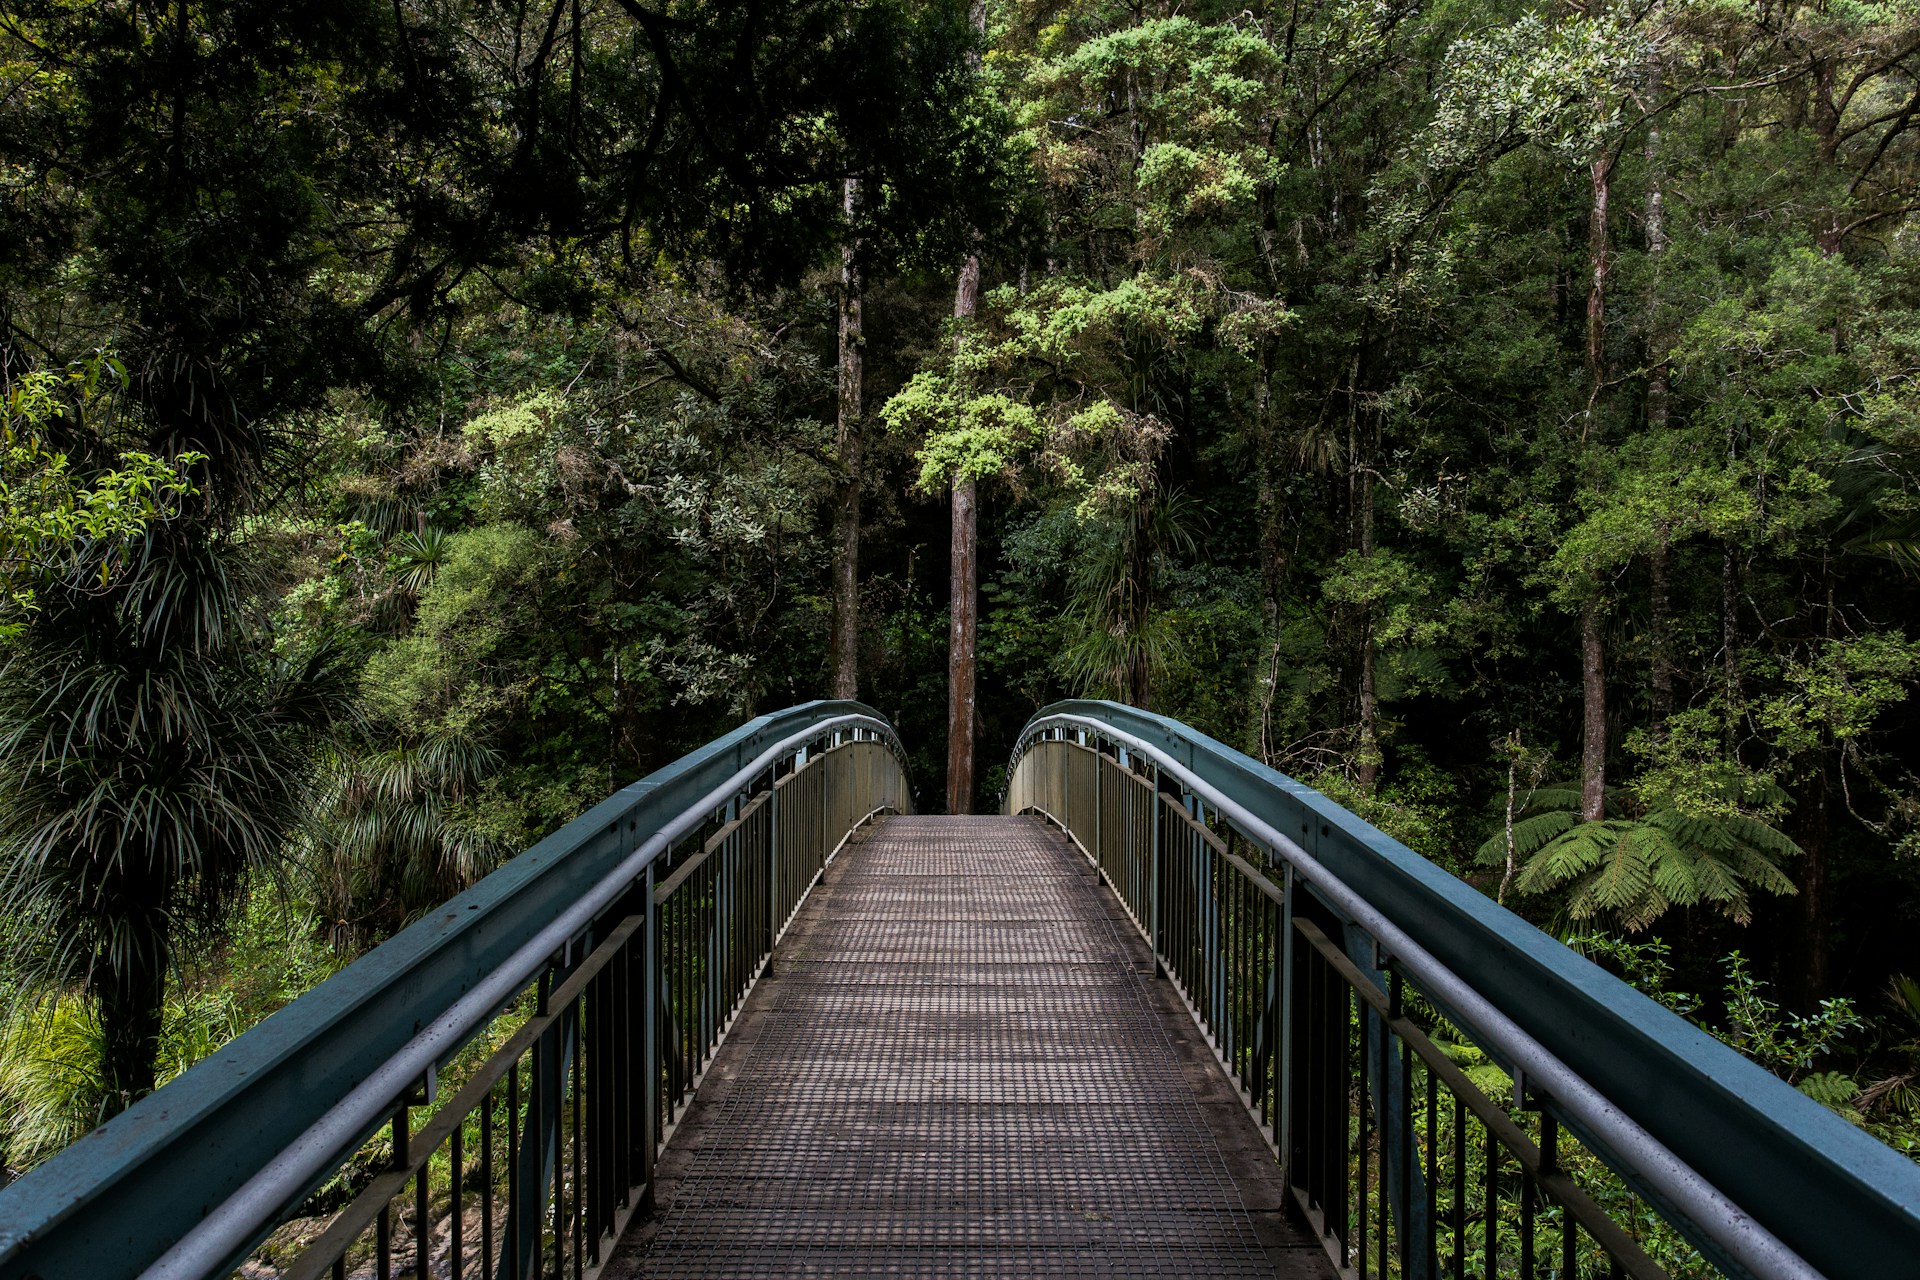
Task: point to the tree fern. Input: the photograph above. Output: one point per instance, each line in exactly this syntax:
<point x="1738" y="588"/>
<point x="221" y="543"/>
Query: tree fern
<point x="1633" y="869"/>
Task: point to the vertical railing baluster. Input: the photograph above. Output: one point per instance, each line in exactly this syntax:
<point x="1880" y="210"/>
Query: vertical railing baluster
<point x="1284" y="1083"/>
<point x="1432" y="1226"/>
<point x="487" y="1261"/>
<point x="402" y="1157"/>
<point x="510" y="1252"/>
<point x="650" y="1065"/>
<point x="1407" y="1166"/>
<point x="456" y="1190"/>
<point x="422" y="1226"/>
<point x="1383" y="1128"/>
<point x="1459" y="1188"/>
<point x="558" y="1204"/>
<point x="1154" y="934"/>
<point x="1366" y="1101"/>
<point x="592" y="1078"/>
<point x="1526" y="1222"/>
<point x="579" y="1138"/>
<point x="1491" y="1221"/>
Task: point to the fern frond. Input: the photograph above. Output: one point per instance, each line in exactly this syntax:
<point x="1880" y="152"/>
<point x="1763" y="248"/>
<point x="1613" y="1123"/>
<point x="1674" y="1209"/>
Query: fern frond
<point x="1759" y="869"/>
<point x="1759" y="836"/>
<point x="1529" y="834"/>
<point x="1622" y="878"/>
<point x="1563" y="858"/>
<point x="1717" y="880"/>
<point x="1533" y="834"/>
<point x="1554" y="795"/>
<point x="1636" y="869"/>
<point x="1689" y="832"/>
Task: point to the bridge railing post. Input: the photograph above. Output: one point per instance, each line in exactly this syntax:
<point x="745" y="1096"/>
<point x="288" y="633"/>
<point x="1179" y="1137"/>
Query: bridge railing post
<point x="1280" y="1039"/>
<point x="1099" y="806"/>
<point x="773" y="858"/>
<point x="650" y="1065"/>
<point x="1154" y="859"/>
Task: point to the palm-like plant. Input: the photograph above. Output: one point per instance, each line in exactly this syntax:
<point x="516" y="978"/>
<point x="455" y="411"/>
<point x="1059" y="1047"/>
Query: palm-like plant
<point x="1633" y="868"/>
<point x="1121" y="642"/>
<point x="382" y="840"/>
<point x="153" y="754"/>
<point x="416" y="558"/>
<point x="52" y="1086"/>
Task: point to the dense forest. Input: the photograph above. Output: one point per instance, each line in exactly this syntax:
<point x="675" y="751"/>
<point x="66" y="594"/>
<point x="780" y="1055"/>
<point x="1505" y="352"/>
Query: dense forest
<point x="422" y="418"/>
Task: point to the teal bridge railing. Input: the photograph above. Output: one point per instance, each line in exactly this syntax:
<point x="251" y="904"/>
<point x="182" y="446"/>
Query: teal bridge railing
<point x="522" y="1054"/>
<point x="1332" y="967"/>
<point x="570" y="1000"/>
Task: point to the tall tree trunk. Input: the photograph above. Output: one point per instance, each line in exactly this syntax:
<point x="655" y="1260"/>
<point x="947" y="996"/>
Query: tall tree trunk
<point x="964" y="571"/>
<point x="1824" y="118"/>
<point x="961" y="633"/>
<point x="1599" y="266"/>
<point x="1272" y="560"/>
<point x="1730" y="630"/>
<point x="1513" y="798"/>
<point x="964" y="599"/>
<point x="1136" y="610"/>
<point x="1367" y="759"/>
<point x="850" y="443"/>
<point x="1658" y="340"/>
<point x="1593" y="735"/>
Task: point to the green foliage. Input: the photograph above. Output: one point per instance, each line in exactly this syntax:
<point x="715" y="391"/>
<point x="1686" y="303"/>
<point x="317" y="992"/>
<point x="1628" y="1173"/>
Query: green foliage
<point x="1889" y="1101"/>
<point x="416" y="558"/>
<point x="484" y="593"/>
<point x="53" y="1085"/>
<point x="1786" y="1044"/>
<point x="1840" y="690"/>
<point x="1418" y="806"/>
<point x="1121" y="644"/>
<point x="392" y="832"/>
<point x="54" y="523"/>
<point x="1645" y="963"/>
<point x="1633" y="870"/>
<point x="1554" y="84"/>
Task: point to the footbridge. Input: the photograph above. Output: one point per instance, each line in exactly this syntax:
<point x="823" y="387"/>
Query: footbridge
<point x="1170" y="1013"/>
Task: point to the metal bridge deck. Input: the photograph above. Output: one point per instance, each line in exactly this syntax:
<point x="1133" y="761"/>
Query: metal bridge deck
<point x="960" y="1064"/>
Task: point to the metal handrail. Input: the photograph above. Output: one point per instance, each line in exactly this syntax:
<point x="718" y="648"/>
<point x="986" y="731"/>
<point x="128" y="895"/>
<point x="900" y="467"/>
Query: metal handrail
<point x="1578" y="1037"/>
<point x="187" y="1181"/>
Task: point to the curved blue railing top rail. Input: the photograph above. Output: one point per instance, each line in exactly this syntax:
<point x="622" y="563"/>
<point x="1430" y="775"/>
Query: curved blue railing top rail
<point x="130" y="1188"/>
<point x="1844" y="1202"/>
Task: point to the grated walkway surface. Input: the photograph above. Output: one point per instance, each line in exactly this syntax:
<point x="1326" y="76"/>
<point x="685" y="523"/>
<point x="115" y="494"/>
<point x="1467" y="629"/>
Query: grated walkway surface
<point x="960" y="1065"/>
